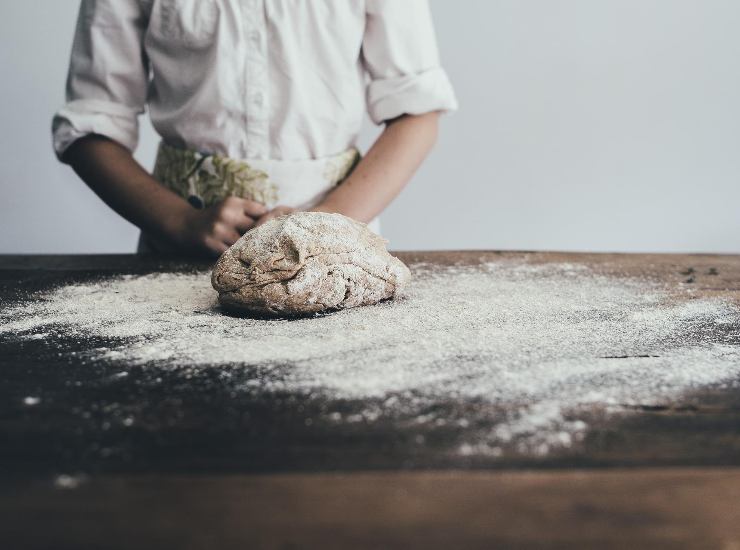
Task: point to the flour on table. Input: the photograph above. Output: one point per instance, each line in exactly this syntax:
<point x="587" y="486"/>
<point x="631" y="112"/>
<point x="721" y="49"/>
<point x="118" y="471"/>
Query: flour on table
<point x="305" y="263"/>
<point x="532" y="346"/>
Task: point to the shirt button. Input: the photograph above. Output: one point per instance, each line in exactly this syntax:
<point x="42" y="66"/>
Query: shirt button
<point x="259" y="98"/>
<point x="255" y="36"/>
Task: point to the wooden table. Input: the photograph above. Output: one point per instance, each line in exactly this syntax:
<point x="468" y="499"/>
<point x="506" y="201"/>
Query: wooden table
<point x="204" y="470"/>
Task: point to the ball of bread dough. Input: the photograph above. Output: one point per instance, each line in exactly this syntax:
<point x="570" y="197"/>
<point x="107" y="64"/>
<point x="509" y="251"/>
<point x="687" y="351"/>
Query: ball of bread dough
<point x="305" y="263"/>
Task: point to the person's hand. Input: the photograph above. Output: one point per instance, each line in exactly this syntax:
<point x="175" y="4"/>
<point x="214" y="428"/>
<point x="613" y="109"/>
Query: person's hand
<point x="275" y="213"/>
<point x="213" y="230"/>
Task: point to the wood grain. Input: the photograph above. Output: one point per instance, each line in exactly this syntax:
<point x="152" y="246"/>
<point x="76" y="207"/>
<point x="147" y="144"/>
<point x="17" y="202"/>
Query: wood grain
<point x="655" y="509"/>
<point x="191" y="422"/>
<point x="204" y="469"/>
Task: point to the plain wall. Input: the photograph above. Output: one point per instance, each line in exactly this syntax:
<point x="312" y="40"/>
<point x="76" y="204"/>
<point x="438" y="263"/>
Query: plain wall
<point x="584" y="125"/>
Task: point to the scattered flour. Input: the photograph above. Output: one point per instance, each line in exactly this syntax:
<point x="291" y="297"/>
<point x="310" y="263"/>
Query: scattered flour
<point x="535" y="344"/>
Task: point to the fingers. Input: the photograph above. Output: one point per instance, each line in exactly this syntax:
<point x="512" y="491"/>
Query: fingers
<point x="252" y="209"/>
<point x="232" y="212"/>
<point x="274" y="213"/>
<point x="213" y="230"/>
<point x="225" y="232"/>
<point x="219" y="239"/>
<point x="231" y="238"/>
<point x="245" y="224"/>
<point x="234" y="216"/>
<point x="264" y="219"/>
<point x="282" y="210"/>
<point x="215" y="247"/>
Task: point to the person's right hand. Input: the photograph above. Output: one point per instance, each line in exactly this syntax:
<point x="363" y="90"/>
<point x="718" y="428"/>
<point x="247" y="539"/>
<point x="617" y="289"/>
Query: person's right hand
<point x="213" y="230"/>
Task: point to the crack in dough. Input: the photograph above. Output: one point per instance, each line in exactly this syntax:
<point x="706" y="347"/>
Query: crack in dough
<point x="306" y="263"/>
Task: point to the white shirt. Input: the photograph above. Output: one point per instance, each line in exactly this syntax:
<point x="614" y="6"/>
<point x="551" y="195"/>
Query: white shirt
<point x="250" y="79"/>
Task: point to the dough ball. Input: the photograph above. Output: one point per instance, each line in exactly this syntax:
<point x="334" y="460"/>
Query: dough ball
<point x="305" y="263"/>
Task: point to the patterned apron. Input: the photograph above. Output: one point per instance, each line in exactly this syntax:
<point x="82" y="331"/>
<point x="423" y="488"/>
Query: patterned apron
<point x="204" y="180"/>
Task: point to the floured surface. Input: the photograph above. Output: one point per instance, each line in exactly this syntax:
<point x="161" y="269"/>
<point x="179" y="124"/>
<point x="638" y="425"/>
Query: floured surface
<point x="523" y="349"/>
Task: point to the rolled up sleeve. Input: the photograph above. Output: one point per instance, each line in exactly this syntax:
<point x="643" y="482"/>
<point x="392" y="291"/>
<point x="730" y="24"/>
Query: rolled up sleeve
<point x="400" y="55"/>
<point x="108" y="76"/>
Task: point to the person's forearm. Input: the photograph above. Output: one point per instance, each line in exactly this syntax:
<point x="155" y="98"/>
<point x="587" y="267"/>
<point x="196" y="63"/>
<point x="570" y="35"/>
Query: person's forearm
<point x="113" y="174"/>
<point x="386" y="169"/>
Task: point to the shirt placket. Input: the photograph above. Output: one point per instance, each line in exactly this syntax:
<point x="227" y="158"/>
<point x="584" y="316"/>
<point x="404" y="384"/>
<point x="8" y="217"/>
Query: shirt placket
<point x="256" y="88"/>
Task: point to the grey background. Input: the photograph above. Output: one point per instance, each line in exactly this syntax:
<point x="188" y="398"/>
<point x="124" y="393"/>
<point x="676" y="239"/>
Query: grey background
<point x="584" y="125"/>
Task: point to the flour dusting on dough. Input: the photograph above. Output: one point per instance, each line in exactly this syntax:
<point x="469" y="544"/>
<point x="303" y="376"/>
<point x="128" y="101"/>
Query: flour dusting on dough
<point x="305" y="263"/>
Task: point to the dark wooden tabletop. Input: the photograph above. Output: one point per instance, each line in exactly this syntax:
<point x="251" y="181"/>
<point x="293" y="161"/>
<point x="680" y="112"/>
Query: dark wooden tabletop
<point x="202" y="469"/>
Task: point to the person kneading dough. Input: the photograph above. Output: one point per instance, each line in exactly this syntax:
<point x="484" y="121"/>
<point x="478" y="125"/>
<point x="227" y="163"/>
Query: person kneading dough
<point x="259" y="106"/>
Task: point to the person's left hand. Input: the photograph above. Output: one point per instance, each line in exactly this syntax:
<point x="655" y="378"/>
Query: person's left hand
<point x="274" y="213"/>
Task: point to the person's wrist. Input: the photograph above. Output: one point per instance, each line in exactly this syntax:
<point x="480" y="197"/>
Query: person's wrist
<point x="177" y="225"/>
<point x="324" y="206"/>
<point x="335" y="208"/>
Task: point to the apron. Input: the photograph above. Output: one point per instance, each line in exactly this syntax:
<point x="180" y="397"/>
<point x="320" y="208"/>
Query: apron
<point x="204" y="180"/>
